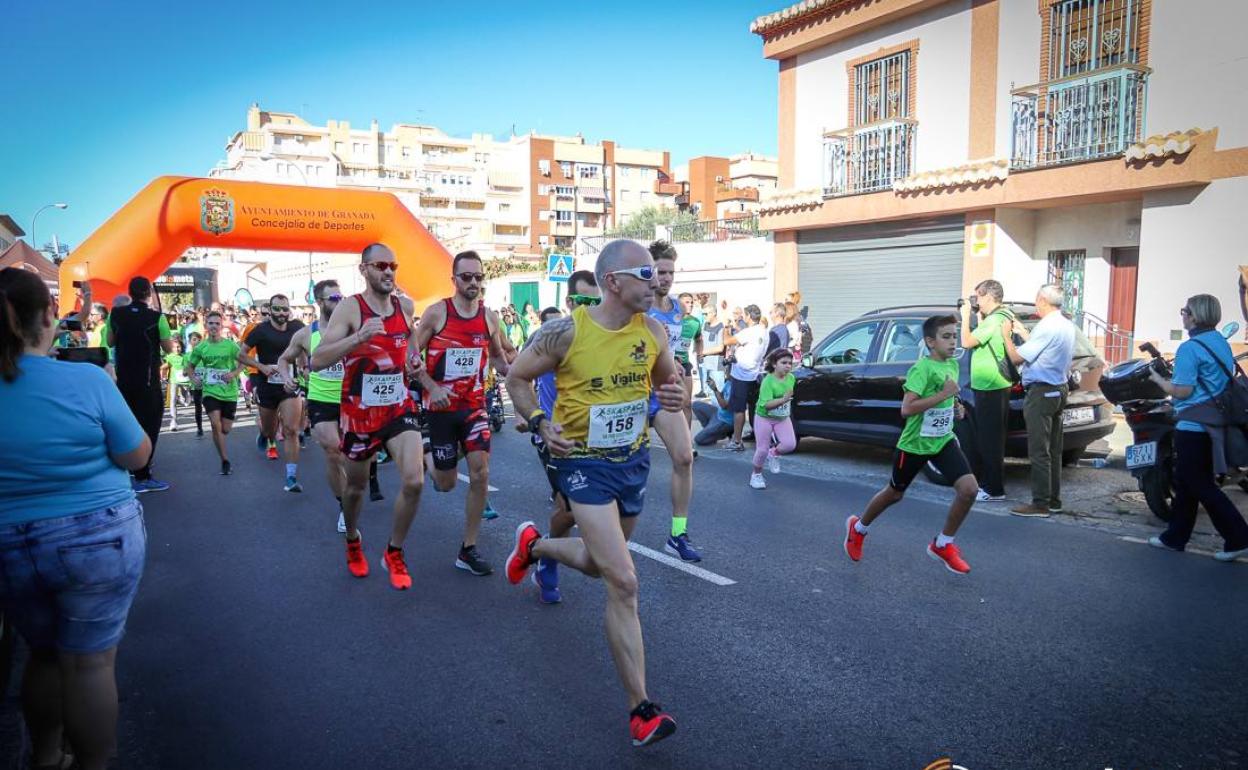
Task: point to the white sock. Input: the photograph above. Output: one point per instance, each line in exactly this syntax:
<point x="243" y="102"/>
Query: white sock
<point x="291" y="468"/>
<point x="861" y="528"/>
<point x="943" y="540"/>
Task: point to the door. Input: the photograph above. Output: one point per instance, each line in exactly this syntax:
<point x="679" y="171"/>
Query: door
<point x="826" y="401"/>
<point x="1124" y="266"/>
<point x="522" y="293"/>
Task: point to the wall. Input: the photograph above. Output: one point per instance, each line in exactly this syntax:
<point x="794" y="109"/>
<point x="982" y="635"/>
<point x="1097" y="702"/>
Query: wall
<point x="1198" y="230"/>
<point x="740" y="272"/>
<point x="943" y="95"/>
<point x="498" y="290"/>
<point x="1018" y="61"/>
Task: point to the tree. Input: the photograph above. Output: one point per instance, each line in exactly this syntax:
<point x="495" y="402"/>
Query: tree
<point x="641" y="224"/>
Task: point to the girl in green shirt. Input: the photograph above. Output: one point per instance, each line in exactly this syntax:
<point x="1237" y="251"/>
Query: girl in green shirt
<point x="771" y="415"/>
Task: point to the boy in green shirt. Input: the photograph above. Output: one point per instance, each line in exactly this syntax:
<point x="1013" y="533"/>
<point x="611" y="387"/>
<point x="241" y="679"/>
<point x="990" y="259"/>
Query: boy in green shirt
<point x="213" y="367"/>
<point x="930" y="406"/>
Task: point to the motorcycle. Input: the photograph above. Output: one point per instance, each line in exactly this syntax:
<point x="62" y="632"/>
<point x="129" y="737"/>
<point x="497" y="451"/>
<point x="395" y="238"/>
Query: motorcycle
<point x="494" y="407"/>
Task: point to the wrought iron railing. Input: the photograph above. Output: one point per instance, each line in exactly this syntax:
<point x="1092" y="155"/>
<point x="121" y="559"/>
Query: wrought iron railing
<point x="1083" y="117"/>
<point x="716" y="230"/>
<point x="868" y="158"/>
<point x="1116" y="345"/>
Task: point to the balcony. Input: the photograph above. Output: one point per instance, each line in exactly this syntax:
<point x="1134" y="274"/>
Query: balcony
<point x="562" y="228"/>
<point x="667" y="187"/>
<point x="727" y="193"/>
<point x="1090" y="116"/>
<point x="868" y="158"/>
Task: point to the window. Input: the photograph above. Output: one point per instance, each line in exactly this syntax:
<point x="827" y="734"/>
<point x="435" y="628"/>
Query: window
<point x="563" y="190"/>
<point x="882" y="89"/>
<point x="504" y="207"/>
<point x="543" y="167"/>
<point x="588" y="171"/>
<point x="565" y="168"/>
<point x="407" y="151"/>
<point x="849" y="347"/>
<point x="543" y="189"/>
<point x="563" y="216"/>
<point x="623" y="172"/>
<point x="337" y="148"/>
<point x="904" y="342"/>
<point x="543" y="240"/>
<point x="1066" y="270"/>
<point x="1086" y="35"/>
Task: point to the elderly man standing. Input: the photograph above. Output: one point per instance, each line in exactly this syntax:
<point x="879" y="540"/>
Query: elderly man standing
<point x="1045" y="357"/>
<point x="991" y="386"/>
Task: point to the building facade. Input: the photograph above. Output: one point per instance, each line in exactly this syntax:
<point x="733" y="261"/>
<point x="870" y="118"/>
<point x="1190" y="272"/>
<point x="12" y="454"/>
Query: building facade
<point x="727" y="188"/>
<point x="926" y="145"/>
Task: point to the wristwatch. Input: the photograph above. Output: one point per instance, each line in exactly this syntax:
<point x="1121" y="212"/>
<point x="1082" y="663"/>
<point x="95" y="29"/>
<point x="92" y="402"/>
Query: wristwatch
<point x="535" y="421"/>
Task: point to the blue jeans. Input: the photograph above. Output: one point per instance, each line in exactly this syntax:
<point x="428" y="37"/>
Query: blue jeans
<point x="68" y="583"/>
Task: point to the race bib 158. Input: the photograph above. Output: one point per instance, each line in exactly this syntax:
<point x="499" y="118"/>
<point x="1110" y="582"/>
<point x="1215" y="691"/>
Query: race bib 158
<point x="612" y="426"/>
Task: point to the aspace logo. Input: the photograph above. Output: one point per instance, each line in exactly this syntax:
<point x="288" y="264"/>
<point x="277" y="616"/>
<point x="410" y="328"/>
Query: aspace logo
<point x="944" y="763"/>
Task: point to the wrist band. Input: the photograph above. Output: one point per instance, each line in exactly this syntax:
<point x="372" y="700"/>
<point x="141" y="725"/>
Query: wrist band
<point x="536" y="412"/>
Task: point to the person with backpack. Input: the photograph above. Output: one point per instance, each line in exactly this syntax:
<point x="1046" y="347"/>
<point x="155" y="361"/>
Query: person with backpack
<point x="1202" y="372"/>
<point x="992" y="376"/>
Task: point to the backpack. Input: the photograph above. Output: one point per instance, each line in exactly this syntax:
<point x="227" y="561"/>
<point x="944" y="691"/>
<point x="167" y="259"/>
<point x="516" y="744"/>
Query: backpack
<point x="808" y="337"/>
<point x="1232" y="402"/>
<point x="1004" y="365"/>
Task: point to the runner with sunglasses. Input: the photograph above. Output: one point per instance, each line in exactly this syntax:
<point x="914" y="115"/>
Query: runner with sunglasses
<point x="683" y="332"/>
<point x="606" y="359"/>
<point x="269" y="340"/>
<point x="460" y="337"/>
<point x="371" y="334"/>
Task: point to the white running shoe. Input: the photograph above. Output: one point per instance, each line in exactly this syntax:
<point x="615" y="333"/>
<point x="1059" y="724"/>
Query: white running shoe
<point x="773" y="462"/>
<point x="982" y="496"/>
<point x="757" y="482"/>
<point x="342" y="523"/>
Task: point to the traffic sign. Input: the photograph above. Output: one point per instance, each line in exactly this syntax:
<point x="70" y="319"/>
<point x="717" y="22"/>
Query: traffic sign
<point x="559" y="267"/>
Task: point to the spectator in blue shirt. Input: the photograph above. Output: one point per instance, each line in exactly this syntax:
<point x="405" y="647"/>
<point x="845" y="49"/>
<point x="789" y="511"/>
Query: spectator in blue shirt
<point x="72" y="541"/>
<point x="716" y="420"/>
<point x="1202" y="367"/>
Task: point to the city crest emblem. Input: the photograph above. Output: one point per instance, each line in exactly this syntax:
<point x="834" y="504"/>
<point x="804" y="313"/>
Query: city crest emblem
<point x="216" y="211"/>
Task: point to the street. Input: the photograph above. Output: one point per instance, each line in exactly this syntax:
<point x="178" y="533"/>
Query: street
<point x="250" y="646"/>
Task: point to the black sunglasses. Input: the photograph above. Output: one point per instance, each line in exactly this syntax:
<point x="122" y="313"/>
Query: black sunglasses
<point x="469" y="277"/>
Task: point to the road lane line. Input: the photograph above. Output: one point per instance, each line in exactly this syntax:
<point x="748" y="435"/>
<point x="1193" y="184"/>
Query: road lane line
<point x="697" y="572"/>
<point x="465" y="479"/>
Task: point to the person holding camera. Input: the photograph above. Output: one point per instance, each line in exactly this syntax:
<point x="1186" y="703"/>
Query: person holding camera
<point x="991" y="383"/>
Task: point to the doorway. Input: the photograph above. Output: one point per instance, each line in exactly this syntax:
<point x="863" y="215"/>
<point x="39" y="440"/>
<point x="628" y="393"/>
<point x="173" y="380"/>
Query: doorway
<point x="1124" y="266"/>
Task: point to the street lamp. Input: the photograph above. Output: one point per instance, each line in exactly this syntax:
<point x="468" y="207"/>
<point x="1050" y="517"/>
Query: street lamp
<point x="268" y="156"/>
<point x="35" y="219"/>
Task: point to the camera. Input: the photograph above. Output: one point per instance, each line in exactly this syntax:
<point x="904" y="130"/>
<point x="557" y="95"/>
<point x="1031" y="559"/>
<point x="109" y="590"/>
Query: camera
<point x="71" y="325"/>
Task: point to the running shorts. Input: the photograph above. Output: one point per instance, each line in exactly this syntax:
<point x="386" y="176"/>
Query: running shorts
<point x="599" y="482"/>
<point x="468" y="429"/>
<point x="323" y="411"/>
<point x="226" y="408"/>
<point x="361" y="446"/>
<point x="552" y="478"/>
<point x="268" y="396"/>
<point x="949" y="461"/>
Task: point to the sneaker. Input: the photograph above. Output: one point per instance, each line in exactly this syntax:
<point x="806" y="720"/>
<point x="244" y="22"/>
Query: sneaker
<point x="648" y="724"/>
<point x="470" y="560"/>
<point x="383" y="457"/>
<point x="854" y="539"/>
<point x="342" y="523"/>
<point x="1225" y="555"/>
<point x="773" y="462"/>
<point x="374" y="491"/>
<point x="757" y="481"/>
<point x="520" y="558"/>
<point x="292" y="485"/>
<point x="1031" y="511"/>
<point x="150" y="485"/>
<point x="356" y="563"/>
<point x="734" y="446"/>
<point x="173" y="427"/>
<point x="982" y="496"/>
<point x="271" y="452"/>
<point x="199" y="433"/>
<point x="489" y="513"/>
<point x="950" y="555"/>
<point x="546" y="578"/>
<point x="392" y="562"/>
<point x="1156" y="542"/>
<point x="226" y="470"/>
<point x="261" y="442"/>
<point x="680" y="546"/>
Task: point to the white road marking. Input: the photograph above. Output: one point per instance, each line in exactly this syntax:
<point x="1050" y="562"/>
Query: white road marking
<point x="697" y="572"/>
<point x="465" y="479"/>
<point x="1144" y="541"/>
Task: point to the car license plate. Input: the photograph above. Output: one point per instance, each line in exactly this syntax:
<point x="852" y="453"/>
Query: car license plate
<point x="1142" y="455"/>
<point x="1078" y="416"/>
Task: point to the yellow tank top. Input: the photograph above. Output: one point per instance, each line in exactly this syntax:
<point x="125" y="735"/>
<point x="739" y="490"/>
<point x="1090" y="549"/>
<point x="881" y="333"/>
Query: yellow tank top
<point x="604" y="388"/>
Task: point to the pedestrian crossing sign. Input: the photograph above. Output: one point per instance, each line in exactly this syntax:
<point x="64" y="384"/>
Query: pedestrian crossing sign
<point x="559" y="267"/>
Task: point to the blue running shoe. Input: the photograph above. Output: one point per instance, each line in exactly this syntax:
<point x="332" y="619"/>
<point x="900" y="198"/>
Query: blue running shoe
<point x="292" y="485"/>
<point x="489" y="512"/>
<point x="150" y="485"/>
<point x="680" y="546"/>
<point x="546" y="578"/>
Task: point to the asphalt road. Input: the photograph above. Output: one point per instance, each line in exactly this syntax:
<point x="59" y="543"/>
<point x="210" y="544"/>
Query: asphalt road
<point x="250" y="646"/>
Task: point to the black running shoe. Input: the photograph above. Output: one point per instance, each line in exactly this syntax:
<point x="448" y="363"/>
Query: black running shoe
<point x="225" y="468"/>
<point x="470" y="560"/>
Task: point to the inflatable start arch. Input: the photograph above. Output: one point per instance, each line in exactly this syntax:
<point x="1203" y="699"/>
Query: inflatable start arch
<point x="173" y="214"/>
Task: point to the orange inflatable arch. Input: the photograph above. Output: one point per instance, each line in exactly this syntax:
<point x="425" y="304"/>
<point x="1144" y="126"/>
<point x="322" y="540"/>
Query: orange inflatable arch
<point x="174" y="213"/>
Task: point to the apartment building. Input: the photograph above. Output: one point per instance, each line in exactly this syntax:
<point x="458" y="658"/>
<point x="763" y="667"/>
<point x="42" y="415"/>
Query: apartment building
<point x="928" y="144"/>
<point x="728" y="188"/>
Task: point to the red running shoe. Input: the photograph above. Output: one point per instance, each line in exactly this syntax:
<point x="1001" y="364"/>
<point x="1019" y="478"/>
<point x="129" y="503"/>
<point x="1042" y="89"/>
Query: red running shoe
<point x="649" y="724"/>
<point x="853" y="539"/>
<point x="271" y="452"/>
<point x="393" y="563"/>
<point x="356" y="562"/>
<point x="951" y="556"/>
<point x="520" y="558"/>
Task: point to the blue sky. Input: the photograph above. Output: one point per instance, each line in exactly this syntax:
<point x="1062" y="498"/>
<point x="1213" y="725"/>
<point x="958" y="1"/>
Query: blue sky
<point x="103" y="96"/>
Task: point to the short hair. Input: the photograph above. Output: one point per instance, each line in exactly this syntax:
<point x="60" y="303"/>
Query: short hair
<point x="933" y="325"/>
<point x="754" y="313"/>
<point x="1205" y="309"/>
<point x="780" y="309"/>
<point x="612" y="256"/>
<point x="276" y="297"/>
<point x="550" y="311"/>
<point x="662" y="249"/>
<point x="581" y="277"/>
<point x="463" y="256"/>
<point x="991" y="288"/>
<point x="140" y="288"/>
<point x="368" y="250"/>
<point x="320" y="287"/>
<point x="684" y="294"/>
<point x="1052" y="294"/>
<point x="217" y="313"/>
<point x="774" y="357"/>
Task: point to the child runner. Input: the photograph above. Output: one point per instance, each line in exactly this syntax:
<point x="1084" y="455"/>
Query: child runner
<point x="771" y="416"/>
<point x="197" y="393"/>
<point x="929" y="407"/>
<point x="213" y="366"/>
<point x="177" y="380"/>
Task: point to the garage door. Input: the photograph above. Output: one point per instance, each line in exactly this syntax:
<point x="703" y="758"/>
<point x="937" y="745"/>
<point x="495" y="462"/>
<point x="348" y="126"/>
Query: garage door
<point x="844" y="272"/>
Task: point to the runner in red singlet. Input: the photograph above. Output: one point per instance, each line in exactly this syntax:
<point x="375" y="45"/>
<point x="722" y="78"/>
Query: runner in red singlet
<point x="460" y="337"/>
<point x="370" y="334"/>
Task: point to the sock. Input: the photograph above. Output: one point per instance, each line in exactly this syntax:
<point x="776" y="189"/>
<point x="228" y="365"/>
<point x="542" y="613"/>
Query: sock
<point x="943" y="540"/>
<point x="679" y="525"/>
<point x="392" y="549"/>
<point x="861" y="528"/>
<point x="292" y="469"/>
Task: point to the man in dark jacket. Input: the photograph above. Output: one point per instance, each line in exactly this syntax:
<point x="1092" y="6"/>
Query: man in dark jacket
<point x="141" y="338"/>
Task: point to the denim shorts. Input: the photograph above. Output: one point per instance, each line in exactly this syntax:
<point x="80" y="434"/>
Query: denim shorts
<point x="68" y="583"/>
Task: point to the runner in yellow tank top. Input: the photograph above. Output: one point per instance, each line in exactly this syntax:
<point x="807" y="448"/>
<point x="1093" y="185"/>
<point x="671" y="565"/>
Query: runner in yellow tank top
<point x="604" y="358"/>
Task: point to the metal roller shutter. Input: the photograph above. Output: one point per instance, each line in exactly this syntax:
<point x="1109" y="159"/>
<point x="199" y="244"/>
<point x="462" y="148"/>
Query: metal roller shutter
<point x="844" y="272"/>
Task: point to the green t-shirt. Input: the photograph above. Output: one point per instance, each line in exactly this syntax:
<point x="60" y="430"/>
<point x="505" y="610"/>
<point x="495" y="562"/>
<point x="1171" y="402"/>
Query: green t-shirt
<point x="212" y="360"/>
<point x="985" y="371"/>
<point x="176" y="374"/>
<point x="772" y="388"/>
<point x="927" y="433"/>
<point x="690" y="328"/>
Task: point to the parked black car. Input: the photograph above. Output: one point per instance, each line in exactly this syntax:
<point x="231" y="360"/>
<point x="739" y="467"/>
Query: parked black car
<point x="849" y="387"/>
